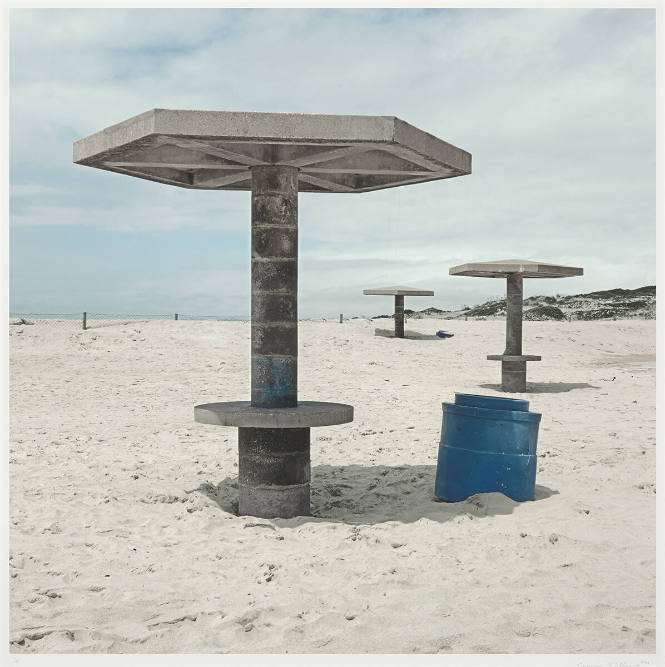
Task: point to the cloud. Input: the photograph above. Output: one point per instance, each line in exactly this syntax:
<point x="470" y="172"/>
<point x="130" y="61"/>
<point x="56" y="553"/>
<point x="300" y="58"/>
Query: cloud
<point x="557" y="107"/>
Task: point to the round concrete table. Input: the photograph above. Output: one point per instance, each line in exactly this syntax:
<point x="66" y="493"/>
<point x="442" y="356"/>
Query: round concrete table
<point x="513" y="362"/>
<point x="399" y="291"/>
<point x="273" y="155"/>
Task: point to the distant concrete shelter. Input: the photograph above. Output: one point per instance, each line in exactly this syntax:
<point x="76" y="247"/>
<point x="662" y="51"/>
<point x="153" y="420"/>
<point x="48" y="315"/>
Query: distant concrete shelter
<point x="273" y="155"/>
<point x="513" y="362"/>
<point x="399" y="291"/>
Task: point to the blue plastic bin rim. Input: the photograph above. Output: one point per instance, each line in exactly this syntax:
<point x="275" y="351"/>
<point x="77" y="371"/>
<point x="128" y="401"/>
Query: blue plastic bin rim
<point x="485" y="413"/>
<point x="517" y="403"/>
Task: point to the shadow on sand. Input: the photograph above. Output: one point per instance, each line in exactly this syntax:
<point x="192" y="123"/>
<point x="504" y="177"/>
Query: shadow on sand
<point x="546" y="387"/>
<point x="356" y="494"/>
<point x="413" y="335"/>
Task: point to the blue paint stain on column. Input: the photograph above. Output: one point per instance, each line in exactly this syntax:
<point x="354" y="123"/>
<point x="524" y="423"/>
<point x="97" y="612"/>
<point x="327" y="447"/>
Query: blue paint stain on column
<point x="274" y="382"/>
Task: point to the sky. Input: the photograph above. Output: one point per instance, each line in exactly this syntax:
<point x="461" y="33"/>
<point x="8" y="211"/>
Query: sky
<point x="557" y="107"/>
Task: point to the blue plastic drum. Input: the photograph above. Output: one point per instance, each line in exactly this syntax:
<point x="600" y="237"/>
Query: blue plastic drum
<point x="486" y="449"/>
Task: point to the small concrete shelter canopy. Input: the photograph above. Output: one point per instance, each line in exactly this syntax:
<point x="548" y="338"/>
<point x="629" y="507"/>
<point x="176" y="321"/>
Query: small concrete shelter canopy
<point x="502" y="268"/>
<point x="399" y="291"/>
<point x="216" y="150"/>
<point x="274" y="156"/>
<point x="513" y="362"/>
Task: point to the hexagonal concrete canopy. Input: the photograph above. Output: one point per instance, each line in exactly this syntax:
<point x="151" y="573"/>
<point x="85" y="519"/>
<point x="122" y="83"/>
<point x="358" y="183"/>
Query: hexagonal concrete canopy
<point x="214" y="150"/>
<point x="399" y="290"/>
<point x="502" y="268"/>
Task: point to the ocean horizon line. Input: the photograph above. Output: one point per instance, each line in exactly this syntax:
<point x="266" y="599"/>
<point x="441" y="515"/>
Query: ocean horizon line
<point x="168" y="316"/>
<point x="118" y="316"/>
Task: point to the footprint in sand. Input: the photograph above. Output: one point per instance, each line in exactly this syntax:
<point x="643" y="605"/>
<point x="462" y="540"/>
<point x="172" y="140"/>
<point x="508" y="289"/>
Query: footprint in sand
<point x="246" y="620"/>
<point x="447" y="644"/>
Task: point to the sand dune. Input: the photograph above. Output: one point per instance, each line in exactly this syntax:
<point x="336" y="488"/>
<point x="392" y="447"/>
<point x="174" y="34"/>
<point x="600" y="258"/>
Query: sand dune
<point x="123" y="536"/>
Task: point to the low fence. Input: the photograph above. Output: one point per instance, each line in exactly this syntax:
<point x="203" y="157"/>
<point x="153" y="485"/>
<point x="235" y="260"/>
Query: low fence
<point x="88" y="320"/>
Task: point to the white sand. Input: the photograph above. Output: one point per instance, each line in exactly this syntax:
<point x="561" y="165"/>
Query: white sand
<point x="123" y="539"/>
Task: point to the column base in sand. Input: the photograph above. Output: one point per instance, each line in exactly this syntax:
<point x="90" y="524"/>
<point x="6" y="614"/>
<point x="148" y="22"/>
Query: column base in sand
<point x="274" y="451"/>
<point x="513" y="370"/>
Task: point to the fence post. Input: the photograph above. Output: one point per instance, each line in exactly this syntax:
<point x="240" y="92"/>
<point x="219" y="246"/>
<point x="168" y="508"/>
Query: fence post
<point x="84" y="320"/>
<point x="341" y="318"/>
<point x="175" y="316"/>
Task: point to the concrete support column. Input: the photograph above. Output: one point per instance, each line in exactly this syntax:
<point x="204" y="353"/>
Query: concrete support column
<point x="514" y="297"/>
<point x="513" y="373"/>
<point x="274" y="468"/>
<point x="274" y="286"/>
<point x="399" y="316"/>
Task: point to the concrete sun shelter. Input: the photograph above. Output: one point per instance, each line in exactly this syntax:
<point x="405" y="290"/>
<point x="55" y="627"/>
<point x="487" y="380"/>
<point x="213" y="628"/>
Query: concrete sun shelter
<point x="399" y="291"/>
<point x="513" y="362"/>
<point x="274" y="156"/>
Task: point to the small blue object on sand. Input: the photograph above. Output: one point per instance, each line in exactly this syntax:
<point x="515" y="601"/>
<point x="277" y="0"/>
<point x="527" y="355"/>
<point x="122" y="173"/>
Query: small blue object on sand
<point x="443" y="334"/>
<point x="488" y="443"/>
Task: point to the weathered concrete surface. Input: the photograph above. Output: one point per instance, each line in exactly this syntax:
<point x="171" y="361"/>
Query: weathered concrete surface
<point x="273" y="468"/>
<point x="274" y="503"/>
<point x="274" y="368"/>
<point x="513" y="376"/>
<point x="514" y="295"/>
<point x="215" y="150"/>
<point x="502" y="268"/>
<point x="273" y="471"/>
<point x="399" y="316"/>
<point x="513" y="362"/>
<point x="242" y="413"/>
